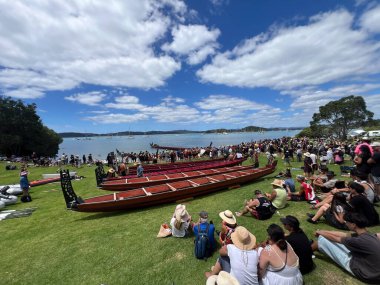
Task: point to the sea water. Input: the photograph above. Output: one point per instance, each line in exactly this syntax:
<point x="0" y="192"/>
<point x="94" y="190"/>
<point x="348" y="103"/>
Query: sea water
<point x="99" y="147"/>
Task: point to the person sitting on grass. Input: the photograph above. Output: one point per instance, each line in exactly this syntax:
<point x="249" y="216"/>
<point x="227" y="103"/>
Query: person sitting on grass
<point x="330" y="211"/>
<point x="306" y="192"/>
<point x="327" y="185"/>
<point x="289" y="184"/>
<point x="278" y="194"/>
<point x="299" y="242"/>
<point x="243" y="258"/>
<point x="180" y="221"/>
<point x="357" y="253"/>
<point x="228" y="227"/>
<point x="202" y="225"/>
<point x="260" y="207"/>
<point x="278" y="263"/>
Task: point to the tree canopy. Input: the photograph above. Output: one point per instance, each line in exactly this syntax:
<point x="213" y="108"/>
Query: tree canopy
<point x="22" y="131"/>
<point x="340" y="116"/>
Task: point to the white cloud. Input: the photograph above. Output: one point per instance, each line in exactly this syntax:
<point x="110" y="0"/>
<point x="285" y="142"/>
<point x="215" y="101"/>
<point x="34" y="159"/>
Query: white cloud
<point x="116" y="118"/>
<point x="60" y="44"/>
<point x="24" y="93"/>
<point x="215" y="102"/>
<point x="371" y="20"/>
<point x="126" y="102"/>
<point x="325" y="50"/>
<point x="90" y="98"/>
<point x="197" y="41"/>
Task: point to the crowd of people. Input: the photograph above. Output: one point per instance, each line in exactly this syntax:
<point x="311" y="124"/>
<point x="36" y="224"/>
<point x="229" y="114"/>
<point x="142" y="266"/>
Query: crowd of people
<point x="288" y="252"/>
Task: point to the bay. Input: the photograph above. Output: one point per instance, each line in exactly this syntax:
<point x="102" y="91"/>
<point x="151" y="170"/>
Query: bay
<point x="99" y="147"/>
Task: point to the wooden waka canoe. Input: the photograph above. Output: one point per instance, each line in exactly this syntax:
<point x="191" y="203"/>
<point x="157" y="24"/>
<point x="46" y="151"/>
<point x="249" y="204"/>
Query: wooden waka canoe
<point x="159" y="194"/>
<point x="100" y="174"/>
<point x="137" y="182"/>
<point x="156" y="146"/>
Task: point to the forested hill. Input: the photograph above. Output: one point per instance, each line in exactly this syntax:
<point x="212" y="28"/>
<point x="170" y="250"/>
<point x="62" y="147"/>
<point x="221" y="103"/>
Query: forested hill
<point x="127" y="133"/>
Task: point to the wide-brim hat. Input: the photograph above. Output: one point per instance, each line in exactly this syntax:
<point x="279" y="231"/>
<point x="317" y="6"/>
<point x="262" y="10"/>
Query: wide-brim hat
<point x="223" y="278"/>
<point x="228" y="217"/>
<point x="111" y="170"/>
<point x="243" y="239"/>
<point x="278" y="182"/>
<point x="181" y="215"/>
<point x="307" y="154"/>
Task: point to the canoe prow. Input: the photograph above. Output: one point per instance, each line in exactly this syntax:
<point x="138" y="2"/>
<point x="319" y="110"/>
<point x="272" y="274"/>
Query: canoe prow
<point x="72" y="200"/>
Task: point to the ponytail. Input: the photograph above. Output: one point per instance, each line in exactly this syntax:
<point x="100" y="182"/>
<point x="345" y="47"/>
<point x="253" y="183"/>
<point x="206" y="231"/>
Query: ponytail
<point x="282" y="244"/>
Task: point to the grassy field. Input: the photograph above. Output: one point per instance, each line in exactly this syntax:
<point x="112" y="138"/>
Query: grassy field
<point x="57" y="246"/>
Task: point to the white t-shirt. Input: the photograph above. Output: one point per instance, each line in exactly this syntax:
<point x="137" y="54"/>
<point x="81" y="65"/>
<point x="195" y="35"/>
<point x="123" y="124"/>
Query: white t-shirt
<point x="182" y="231"/>
<point x="313" y="158"/>
<point x="243" y="264"/>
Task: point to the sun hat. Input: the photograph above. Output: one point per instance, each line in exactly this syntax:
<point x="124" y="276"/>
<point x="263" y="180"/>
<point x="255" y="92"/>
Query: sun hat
<point x="307" y="154"/>
<point x="111" y="170"/>
<point x="291" y="221"/>
<point x="243" y="239"/>
<point x="223" y="278"/>
<point x="181" y="215"/>
<point x="277" y="182"/>
<point x="228" y="217"/>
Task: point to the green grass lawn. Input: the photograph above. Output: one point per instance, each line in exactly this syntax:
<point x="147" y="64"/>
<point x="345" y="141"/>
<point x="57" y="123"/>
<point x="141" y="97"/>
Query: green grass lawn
<point x="57" y="246"/>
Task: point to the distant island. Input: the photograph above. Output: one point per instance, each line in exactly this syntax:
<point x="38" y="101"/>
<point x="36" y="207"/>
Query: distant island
<point x="218" y="131"/>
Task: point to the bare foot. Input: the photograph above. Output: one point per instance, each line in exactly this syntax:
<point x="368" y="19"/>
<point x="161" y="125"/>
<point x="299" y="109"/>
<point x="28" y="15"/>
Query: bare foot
<point x="208" y="274"/>
<point x="238" y="214"/>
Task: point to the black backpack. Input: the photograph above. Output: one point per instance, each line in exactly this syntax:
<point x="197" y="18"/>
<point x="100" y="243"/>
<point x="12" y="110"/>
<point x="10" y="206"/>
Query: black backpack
<point x="202" y="248"/>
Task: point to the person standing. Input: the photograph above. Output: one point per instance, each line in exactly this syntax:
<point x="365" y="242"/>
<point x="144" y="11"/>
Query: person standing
<point x="24" y="185"/>
<point x="374" y="162"/>
<point x="140" y="170"/>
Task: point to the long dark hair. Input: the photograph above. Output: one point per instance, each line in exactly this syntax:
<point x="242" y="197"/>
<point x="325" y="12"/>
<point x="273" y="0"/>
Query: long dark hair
<point x="277" y="235"/>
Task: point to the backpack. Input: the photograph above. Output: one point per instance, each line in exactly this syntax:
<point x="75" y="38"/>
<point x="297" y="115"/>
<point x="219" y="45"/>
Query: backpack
<point x="202" y="248"/>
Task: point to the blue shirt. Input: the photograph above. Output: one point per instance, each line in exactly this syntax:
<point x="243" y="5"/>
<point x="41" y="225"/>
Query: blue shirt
<point x="290" y="182"/>
<point x="210" y="234"/>
<point x="140" y="171"/>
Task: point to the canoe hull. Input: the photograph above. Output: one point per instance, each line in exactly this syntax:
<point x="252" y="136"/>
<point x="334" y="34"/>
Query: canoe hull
<point x="135" y="199"/>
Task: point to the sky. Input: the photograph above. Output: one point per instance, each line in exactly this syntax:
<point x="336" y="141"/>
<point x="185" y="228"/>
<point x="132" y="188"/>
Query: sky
<point x="127" y="65"/>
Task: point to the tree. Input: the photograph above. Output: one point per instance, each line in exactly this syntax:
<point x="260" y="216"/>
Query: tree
<point x="22" y="131"/>
<point x="339" y="117"/>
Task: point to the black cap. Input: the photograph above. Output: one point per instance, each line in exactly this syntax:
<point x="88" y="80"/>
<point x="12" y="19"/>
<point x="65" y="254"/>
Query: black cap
<point x="291" y="221"/>
<point x="203" y="215"/>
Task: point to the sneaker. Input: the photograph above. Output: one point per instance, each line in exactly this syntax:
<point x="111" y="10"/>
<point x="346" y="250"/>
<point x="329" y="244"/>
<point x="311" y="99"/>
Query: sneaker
<point x="311" y="221"/>
<point x="310" y="215"/>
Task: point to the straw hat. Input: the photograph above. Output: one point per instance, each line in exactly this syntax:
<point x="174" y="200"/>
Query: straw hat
<point x="111" y="170"/>
<point x="181" y="215"/>
<point x="307" y="154"/>
<point x="223" y="278"/>
<point x="228" y="217"/>
<point x="243" y="239"/>
<point x="278" y="182"/>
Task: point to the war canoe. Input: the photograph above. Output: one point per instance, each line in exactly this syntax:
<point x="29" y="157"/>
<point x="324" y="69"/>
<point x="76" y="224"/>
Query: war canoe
<point x="137" y="182"/>
<point x="156" y="146"/>
<point x="100" y="174"/>
<point x="159" y="194"/>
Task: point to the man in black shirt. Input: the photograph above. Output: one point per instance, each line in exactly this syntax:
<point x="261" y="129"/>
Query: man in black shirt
<point x="299" y="242"/>
<point x="260" y="207"/>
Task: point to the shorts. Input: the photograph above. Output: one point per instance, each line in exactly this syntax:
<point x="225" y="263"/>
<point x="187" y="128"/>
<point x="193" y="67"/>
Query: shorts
<point x="336" y="251"/>
<point x="297" y="198"/>
<point x="224" y="262"/>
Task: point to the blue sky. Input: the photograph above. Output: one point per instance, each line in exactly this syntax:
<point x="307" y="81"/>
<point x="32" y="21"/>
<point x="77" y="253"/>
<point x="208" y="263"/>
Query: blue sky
<point x="110" y="66"/>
